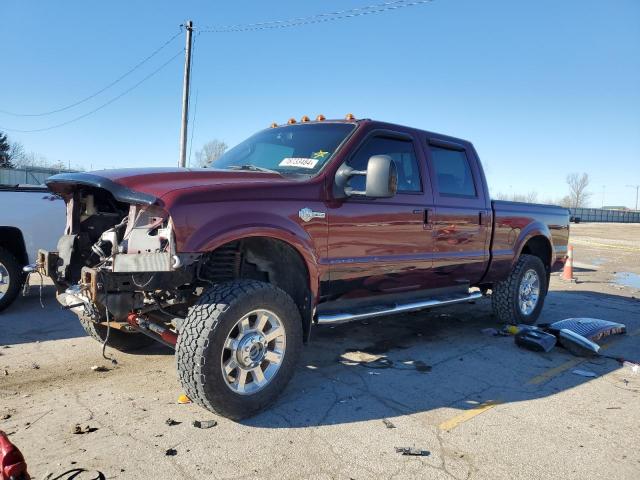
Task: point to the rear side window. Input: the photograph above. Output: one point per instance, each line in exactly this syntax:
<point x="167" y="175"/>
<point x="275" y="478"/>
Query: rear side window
<point x="401" y="151"/>
<point x="453" y="172"/>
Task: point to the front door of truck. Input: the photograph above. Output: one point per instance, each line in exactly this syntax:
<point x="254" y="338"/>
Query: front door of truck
<point x="462" y="220"/>
<point x="383" y="245"/>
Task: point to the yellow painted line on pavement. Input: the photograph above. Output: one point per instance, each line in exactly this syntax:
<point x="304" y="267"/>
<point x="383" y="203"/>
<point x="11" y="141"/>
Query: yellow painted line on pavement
<point x="468" y="415"/>
<point x="555" y="371"/>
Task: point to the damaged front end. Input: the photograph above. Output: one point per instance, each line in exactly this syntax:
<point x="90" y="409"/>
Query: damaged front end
<point x="116" y="263"/>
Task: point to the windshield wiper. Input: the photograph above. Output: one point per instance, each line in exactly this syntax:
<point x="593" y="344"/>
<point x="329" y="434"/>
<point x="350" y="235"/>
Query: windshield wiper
<point x="252" y="168"/>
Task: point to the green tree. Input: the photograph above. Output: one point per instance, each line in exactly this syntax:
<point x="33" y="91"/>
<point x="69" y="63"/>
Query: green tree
<point x="5" y="152"/>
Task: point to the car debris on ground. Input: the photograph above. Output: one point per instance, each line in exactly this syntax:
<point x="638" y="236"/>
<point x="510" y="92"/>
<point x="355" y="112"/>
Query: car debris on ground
<point x="577" y="335"/>
<point x="415" y="452"/>
<point x="78" y="429"/>
<point x="99" y="368"/>
<point x="171" y="422"/>
<point x="388" y="423"/>
<point x="204" y="423"/>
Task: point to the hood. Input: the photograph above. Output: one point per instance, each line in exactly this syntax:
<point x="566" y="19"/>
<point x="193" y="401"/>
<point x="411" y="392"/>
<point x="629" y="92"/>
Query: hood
<point x="148" y="185"/>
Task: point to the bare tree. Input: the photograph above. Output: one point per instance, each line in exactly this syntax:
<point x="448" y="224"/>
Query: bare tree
<point x="529" y="197"/>
<point x="578" y="195"/>
<point x="16" y="152"/>
<point x="210" y="152"/>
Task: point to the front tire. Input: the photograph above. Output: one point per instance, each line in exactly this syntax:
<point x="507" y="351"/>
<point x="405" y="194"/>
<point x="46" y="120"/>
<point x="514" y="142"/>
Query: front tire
<point x="238" y="347"/>
<point x="11" y="278"/>
<point x="520" y="298"/>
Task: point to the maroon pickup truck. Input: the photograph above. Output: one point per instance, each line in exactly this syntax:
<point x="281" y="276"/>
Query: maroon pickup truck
<point x="320" y="222"/>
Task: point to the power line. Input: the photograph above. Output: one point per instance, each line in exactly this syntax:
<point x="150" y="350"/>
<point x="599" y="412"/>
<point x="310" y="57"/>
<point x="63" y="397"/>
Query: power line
<point x="318" y="18"/>
<point x="93" y="95"/>
<point x="133" y="87"/>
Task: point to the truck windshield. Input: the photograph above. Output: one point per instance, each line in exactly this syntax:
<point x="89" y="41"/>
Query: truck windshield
<point x="297" y="149"/>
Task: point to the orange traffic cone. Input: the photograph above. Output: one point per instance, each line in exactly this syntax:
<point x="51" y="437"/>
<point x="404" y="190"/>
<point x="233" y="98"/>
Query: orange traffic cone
<point x="567" y="272"/>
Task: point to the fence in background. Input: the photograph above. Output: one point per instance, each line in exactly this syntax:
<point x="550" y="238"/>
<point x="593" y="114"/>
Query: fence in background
<point x="27" y="176"/>
<point x="601" y="215"/>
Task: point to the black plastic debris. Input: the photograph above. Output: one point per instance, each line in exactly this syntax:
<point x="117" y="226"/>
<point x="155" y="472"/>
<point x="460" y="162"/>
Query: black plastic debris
<point x="415" y="452"/>
<point x="78" y="429"/>
<point x="591" y="328"/>
<point x="535" y="340"/>
<point x="171" y="422"/>
<point x="204" y="423"/>
<point x="171" y="452"/>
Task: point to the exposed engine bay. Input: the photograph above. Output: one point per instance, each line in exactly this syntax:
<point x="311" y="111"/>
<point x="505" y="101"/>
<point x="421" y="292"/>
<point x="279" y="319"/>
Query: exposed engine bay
<point x="117" y="266"/>
<point x="117" y="258"/>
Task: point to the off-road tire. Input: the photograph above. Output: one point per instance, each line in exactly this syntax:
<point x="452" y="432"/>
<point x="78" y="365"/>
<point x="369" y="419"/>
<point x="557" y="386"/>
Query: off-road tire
<point x="201" y="341"/>
<point x="16" y="278"/>
<point x="122" y="341"/>
<point x="504" y="298"/>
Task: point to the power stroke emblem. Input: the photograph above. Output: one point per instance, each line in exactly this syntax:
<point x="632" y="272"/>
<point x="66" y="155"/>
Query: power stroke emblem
<point x="306" y="214"/>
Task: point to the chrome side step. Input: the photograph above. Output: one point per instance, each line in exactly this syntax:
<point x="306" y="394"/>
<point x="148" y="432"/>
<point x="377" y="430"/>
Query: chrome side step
<point x="334" y="318"/>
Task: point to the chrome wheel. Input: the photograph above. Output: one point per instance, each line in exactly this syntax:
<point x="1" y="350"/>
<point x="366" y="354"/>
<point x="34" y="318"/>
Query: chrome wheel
<point x="5" y="280"/>
<point x="253" y="352"/>
<point x="529" y="292"/>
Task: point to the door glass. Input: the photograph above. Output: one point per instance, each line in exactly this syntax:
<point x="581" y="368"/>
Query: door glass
<point x="401" y="151"/>
<point x="453" y="173"/>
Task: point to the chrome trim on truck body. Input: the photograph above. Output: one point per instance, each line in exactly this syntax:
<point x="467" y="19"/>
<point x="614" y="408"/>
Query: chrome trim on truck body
<point x="334" y="318"/>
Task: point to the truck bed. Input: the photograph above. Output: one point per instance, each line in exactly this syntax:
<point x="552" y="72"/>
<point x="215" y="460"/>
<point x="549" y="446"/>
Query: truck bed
<point x="515" y="223"/>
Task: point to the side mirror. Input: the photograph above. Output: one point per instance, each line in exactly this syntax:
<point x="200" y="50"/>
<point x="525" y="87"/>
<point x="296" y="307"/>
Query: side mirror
<point x="381" y="179"/>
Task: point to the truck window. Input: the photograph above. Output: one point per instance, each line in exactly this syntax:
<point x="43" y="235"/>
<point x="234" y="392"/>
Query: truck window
<point x="403" y="154"/>
<point x="453" y="173"/>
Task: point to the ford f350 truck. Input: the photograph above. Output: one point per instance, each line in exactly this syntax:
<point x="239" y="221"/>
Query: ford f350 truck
<point x="311" y="222"/>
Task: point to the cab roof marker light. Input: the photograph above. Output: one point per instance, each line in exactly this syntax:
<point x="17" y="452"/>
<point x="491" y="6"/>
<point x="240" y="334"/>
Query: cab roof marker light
<point x="350" y="117"/>
<point x="320" y="118"/>
<point x="304" y="119"/>
<point x="291" y="121"/>
<point x="274" y="125"/>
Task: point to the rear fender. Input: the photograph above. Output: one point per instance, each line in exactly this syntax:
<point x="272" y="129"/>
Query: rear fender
<point x="534" y="229"/>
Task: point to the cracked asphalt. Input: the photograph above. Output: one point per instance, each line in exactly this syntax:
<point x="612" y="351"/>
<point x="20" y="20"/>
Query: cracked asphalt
<point x="479" y="405"/>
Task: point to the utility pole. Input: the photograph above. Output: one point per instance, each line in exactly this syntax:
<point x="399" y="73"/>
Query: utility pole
<point x="637" y="187"/>
<point x="185" y="96"/>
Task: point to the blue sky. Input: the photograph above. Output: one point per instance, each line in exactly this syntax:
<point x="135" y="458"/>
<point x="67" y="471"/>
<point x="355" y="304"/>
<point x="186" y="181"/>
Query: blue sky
<point x="542" y="88"/>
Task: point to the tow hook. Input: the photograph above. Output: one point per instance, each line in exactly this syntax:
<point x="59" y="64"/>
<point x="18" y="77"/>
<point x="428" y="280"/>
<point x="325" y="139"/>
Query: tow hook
<point x="153" y="329"/>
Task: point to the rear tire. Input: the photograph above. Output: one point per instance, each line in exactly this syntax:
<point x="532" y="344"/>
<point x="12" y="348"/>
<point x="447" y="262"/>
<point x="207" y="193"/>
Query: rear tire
<point x="122" y="341"/>
<point x="513" y="299"/>
<point x="12" y="278"/>
<point x="239" y="326"/>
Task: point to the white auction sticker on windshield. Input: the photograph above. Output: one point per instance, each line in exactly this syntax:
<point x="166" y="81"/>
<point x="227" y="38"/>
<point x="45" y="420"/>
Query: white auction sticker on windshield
<point x="299" y="162"/>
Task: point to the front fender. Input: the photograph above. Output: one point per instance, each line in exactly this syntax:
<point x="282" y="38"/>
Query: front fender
<point x="307" y="238"/>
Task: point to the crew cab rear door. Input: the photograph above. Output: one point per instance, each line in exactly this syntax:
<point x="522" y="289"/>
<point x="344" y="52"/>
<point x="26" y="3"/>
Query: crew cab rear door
<point x="382" y="245"/>
<point x="462" y="217"/>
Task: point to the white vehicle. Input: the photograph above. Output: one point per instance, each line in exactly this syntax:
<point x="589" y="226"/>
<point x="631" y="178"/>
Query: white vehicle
<point x="30" y="218"/>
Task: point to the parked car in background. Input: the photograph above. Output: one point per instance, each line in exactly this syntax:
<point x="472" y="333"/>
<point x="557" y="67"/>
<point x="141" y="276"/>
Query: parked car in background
<point x="30" y="218"/>
<point x="313" y="222"/>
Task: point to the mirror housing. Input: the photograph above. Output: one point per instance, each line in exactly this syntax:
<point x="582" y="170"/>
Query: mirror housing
<point x="381" y="179"/>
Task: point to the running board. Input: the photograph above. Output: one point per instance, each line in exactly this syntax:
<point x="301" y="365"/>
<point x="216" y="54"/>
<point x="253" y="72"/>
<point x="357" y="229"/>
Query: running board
<point x="334" y="318"/>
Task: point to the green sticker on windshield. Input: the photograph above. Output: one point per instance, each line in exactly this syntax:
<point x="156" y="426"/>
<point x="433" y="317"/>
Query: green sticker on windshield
<point x="319" y="155"/>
